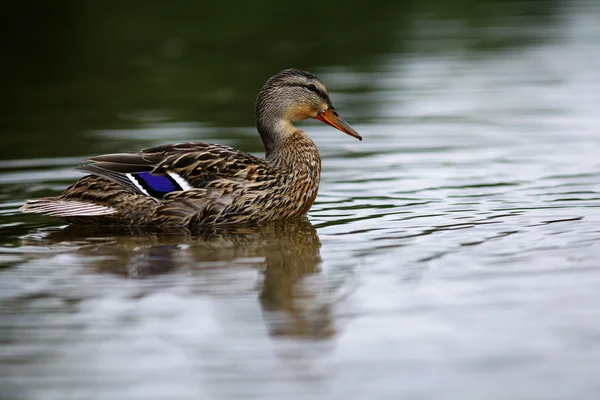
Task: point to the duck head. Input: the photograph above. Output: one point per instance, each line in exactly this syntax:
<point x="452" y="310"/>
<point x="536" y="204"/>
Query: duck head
<point x="294" y="95"/>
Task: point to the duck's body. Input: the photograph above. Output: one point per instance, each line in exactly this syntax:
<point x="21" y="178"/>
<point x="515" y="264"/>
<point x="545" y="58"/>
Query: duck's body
<point x="197" y="183"/>
<point x="228" y="186"/>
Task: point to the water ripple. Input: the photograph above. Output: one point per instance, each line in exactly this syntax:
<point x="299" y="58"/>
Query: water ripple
<point x="454" y="252"/>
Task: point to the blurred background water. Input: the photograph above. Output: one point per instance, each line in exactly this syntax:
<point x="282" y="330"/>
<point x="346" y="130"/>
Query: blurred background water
<point x="453" y="253"/>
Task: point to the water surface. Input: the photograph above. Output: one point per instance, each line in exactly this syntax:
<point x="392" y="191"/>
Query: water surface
<point x="453" y="253"/>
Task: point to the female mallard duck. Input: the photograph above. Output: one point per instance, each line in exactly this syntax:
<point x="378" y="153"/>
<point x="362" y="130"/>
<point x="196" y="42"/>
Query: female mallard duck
<point x="197" y="183"/>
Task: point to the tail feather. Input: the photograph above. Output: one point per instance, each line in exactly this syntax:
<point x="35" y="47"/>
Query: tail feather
<point x="58" y="207"/>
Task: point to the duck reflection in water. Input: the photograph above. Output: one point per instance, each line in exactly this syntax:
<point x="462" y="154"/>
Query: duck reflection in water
<point x="286" y="253"/>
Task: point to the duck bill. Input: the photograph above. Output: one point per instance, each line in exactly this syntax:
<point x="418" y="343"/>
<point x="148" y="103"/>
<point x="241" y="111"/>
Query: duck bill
<point x="331" y="117"/>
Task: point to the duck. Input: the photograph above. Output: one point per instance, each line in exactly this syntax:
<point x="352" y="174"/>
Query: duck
<point x="194" y="183"/>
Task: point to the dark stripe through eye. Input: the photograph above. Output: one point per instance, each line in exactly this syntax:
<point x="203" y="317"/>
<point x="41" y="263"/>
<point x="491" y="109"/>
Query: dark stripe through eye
<point x="321" y="94"/>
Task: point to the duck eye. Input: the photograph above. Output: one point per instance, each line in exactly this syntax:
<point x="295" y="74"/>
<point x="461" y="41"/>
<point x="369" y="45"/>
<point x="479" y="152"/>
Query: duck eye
<point x="312" y="88"/>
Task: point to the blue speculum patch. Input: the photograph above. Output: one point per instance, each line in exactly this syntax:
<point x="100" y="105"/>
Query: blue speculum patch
<point x="157" y="183"/>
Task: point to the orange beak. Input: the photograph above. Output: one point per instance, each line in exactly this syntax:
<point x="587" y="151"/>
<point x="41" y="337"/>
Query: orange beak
<point x="331" y="117"/>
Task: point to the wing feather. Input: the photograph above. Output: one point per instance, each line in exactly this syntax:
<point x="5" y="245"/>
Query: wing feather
<point x="201" y="165"/>
<point x="66" y="208"/>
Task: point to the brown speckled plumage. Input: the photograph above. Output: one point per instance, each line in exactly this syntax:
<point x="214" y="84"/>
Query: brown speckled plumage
<point x="214" y="184"/>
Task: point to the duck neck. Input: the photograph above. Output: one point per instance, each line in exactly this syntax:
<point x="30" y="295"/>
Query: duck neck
<point x="273" y="136"/>
<point x="288" y="147"/>
<point x="295" y="156"/>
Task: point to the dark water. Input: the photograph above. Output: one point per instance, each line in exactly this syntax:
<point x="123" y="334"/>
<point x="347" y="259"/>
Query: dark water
<point x="454" y="253"/>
